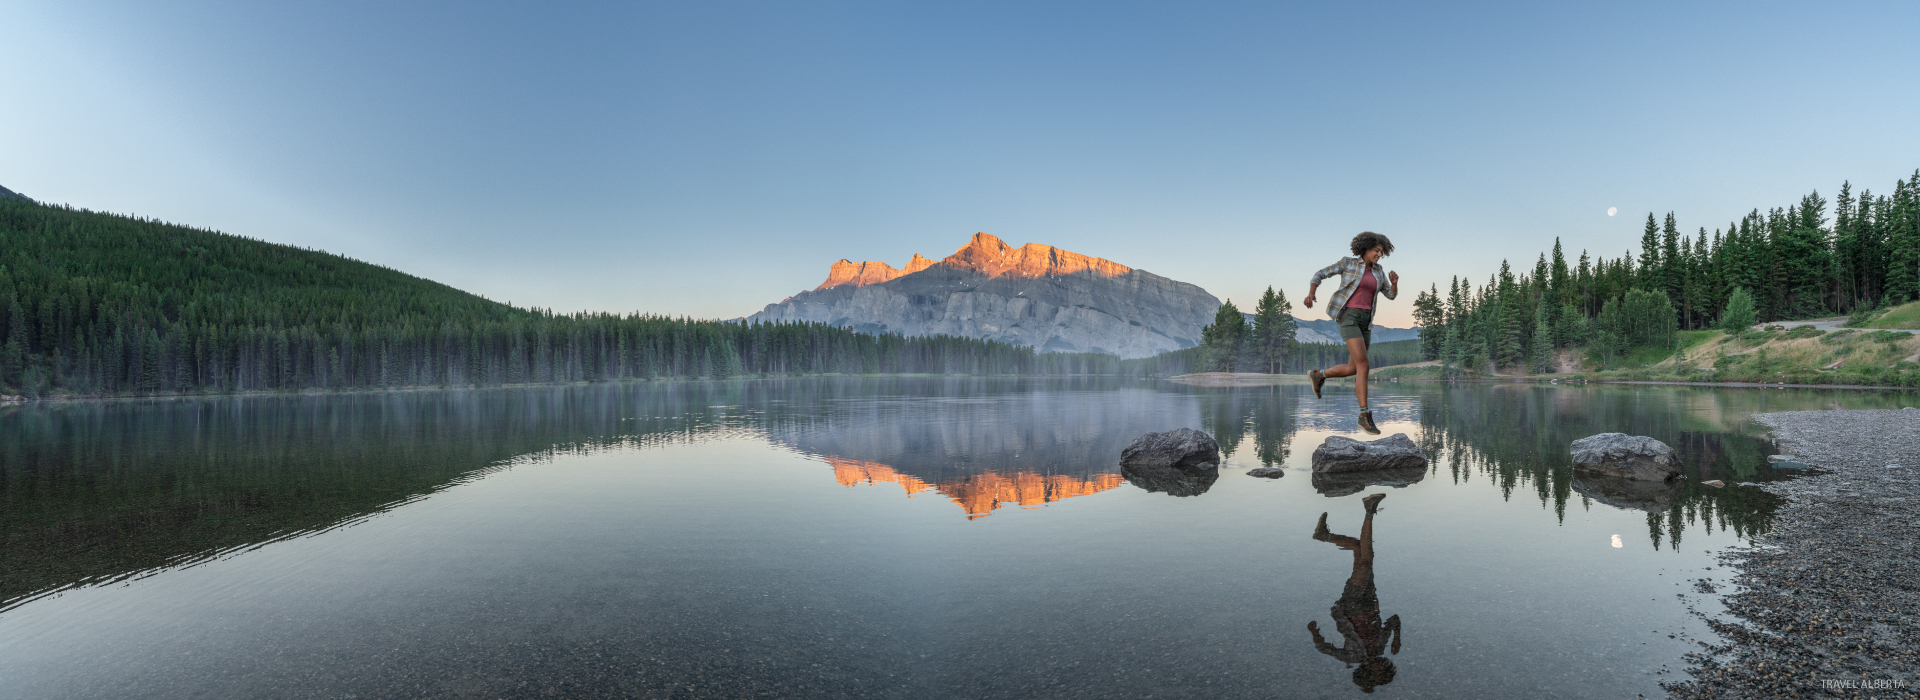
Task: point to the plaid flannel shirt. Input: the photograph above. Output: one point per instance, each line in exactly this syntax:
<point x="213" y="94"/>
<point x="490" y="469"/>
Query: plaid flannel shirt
<point x="1349" y="270"/>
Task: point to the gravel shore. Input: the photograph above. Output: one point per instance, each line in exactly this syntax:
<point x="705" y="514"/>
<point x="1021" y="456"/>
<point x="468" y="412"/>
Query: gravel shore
<point x="1828" y="603"/>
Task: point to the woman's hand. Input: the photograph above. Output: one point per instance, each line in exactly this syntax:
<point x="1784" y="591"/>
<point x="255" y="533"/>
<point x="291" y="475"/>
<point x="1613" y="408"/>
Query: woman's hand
<point x="1308" y="301"/>
<point x="1393" y="278"/>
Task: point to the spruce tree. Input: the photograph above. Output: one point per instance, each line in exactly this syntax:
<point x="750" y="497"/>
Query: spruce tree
<point x="1224" y="339"/>
<point x="1542" y="339"/>
<point x="1650" y="252"/>
<point x="1430" y="315"/>
<point x="1273" y="330"/>
<point x="1672" y="265"/>
<point x="1559" y="281"/>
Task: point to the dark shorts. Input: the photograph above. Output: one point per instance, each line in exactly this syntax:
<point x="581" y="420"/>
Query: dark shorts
<point x="1357" y="323"/>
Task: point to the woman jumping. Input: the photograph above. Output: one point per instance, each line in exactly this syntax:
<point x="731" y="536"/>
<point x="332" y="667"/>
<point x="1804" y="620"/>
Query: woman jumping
<point x="1352" y="307"/>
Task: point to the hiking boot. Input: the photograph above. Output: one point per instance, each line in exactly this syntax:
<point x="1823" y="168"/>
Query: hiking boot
<point x="1373" y="502"/>
<point x="1318" y="377"/>
<point x="1366" y="423"/>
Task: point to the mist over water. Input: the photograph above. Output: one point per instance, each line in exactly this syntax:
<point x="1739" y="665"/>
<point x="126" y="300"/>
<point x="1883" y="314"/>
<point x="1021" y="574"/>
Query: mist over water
<point x="873" y="537"/>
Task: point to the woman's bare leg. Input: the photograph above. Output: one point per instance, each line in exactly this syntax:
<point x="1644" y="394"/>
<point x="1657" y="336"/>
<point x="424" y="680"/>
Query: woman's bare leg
<point x="1355" y="367"/>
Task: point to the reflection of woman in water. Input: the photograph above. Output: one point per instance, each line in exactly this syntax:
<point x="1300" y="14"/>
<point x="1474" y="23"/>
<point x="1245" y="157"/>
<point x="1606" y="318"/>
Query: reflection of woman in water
<point x="1357" y="613"/>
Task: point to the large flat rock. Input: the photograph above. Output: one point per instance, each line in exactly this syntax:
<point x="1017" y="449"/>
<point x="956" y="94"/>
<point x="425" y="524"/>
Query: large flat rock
<point x="1183" y="447"/>
<point x="1343" y="454"/>
<point x="1626" y="456"/>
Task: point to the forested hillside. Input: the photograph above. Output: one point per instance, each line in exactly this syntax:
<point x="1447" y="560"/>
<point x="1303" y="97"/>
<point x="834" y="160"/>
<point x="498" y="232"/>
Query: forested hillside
<point x="1808" y="259"/>
<point x="102" y="304"/>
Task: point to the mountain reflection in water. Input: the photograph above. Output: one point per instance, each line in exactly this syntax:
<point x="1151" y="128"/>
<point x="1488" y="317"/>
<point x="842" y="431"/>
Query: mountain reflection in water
<point x="979" y="495"/>
<point x="982" y="451"/>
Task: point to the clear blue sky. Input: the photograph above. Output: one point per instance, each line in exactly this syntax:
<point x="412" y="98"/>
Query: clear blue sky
<point x="709" y="158"/>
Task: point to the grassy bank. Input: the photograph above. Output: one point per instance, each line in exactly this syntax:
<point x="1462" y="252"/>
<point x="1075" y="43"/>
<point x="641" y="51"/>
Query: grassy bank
<point x="1905" y="316"/>
<point x="1769" y="354"/>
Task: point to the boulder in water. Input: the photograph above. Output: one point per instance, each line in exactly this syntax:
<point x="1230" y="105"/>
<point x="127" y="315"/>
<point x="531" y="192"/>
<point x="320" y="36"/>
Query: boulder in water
<point x="1184" y="448"/>
<point x="1267" y="472"/>
<point x="1342" y="454"/>
<point x="1626" y="456"/>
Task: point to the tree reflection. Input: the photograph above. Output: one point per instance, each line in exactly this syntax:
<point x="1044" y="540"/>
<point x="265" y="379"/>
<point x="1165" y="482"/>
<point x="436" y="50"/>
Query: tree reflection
<point x="1519" y="435"/>
<point x="1268" y="413"/>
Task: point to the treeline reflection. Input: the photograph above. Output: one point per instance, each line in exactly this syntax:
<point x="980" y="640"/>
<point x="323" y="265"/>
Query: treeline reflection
<point x="91" y="491"/>
<point x="1517" y="437"/>
<point x="94" y="491"/>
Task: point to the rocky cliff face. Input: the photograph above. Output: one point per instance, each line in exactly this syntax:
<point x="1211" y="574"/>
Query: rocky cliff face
<point x="1035" y="295"/>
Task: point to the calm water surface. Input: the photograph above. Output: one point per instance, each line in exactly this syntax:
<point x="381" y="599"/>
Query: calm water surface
<point x="860" y="538"/>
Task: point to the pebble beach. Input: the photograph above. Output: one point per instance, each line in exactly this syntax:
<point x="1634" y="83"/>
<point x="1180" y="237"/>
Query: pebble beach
<point x="1827" y="604"/>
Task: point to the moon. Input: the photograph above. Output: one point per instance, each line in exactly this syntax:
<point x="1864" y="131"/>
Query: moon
<point x="1612" y="210"/>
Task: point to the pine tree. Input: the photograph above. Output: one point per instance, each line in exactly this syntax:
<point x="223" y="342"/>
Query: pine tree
<point x="1650" y="266"/>
<point x="1273" y="330"/>
<point x="1672" y="265"/>
<point x="1430" y="315"/>
<point x="1542" y="339"/>
<point x="1559" y="281"/>
<point x="1509" y="343"/>
<point x="1224" y="338"/>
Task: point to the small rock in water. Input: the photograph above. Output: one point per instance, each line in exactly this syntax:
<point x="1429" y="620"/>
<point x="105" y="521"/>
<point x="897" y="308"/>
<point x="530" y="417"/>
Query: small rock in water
<point x="1780" y="458"/>
<point x="1268" y="472"/>
<point x="1716" y="483"/>
<point x="1627" y="456"/>
<point x="1748" y="483"/>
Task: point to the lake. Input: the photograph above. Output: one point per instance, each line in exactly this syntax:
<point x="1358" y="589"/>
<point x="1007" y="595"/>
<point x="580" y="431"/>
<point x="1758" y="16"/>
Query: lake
<point x="863" y="537"/>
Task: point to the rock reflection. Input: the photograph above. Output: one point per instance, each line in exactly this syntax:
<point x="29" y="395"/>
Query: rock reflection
<point x="1356" y="615"/>
<point x="1337" y="484"/>
<point x="1172" y="481"/>
<point x="1627" y="494"/>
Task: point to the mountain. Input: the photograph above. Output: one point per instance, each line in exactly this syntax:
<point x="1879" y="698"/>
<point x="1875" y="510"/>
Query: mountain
<point x="10" y="194"/>
<point x="1035" y="295"/>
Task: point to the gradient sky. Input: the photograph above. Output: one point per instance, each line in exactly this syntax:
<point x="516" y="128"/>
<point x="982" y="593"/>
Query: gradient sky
<point x="710" y="158"/>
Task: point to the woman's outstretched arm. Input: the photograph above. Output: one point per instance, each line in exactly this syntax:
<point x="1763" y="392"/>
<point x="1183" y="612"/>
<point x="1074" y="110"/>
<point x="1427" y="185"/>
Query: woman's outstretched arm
<point x="1313" y="285"/>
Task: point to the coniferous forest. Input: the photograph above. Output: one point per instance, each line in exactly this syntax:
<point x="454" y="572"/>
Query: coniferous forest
<point x="101" y="304"/>
<point x="1809" y="259"/>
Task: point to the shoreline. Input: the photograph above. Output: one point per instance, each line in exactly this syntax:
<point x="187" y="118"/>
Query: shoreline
<point x="16" y="400"/>
<point x="1825" y="604"/>
<point x="1257" y="379"/>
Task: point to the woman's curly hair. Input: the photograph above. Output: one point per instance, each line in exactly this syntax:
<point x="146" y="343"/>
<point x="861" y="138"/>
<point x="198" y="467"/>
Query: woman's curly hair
<point x="1368" y="240"/>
